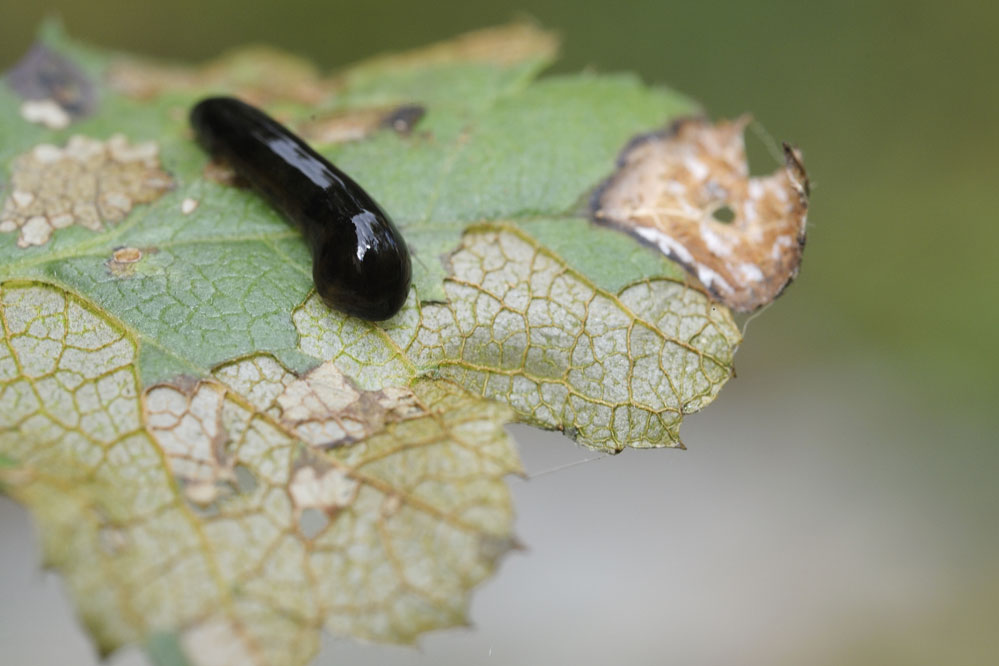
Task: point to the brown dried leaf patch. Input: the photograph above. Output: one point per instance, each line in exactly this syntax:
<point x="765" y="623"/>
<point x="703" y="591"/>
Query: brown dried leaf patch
<point x="88" y="182"/>
<point x="356" y="124"/>
<point x="257" y="74"/>
<point x="327" y="409"/>
<point x="502" y="45"/>
<point x="673" y="190"/>
<point x="324" y="408"/>
<point x="123" y="260"/>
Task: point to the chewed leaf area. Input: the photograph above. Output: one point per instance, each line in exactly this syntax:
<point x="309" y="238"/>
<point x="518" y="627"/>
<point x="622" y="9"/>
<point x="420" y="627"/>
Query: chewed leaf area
<point x="216" y="457"/>
<point x="621" y="368"/>
<point x="232" y="508"/>
<point x="87" y="183"/>
<point x="688" y="192"/>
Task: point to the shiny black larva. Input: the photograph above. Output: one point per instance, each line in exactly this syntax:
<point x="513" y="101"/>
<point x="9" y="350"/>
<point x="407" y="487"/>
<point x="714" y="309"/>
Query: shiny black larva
<point x="360" y="263"/>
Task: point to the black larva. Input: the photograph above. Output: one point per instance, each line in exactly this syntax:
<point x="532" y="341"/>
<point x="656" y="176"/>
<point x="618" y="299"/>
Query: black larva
<point x="360" y="263"/>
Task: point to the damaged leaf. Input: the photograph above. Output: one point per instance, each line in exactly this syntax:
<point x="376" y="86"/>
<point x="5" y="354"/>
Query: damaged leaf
<point x="258" y="74"/>
<point x="245" y="537"/>
<point x="220" y="464"/>
<point x="87" y="183"/>
<point x="55" y="90"/>
<point x="675" y="189"/>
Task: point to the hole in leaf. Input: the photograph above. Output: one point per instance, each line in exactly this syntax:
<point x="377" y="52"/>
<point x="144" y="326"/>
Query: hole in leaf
<point x="245" y="481"/>
<point x="312" y="522"/>
<point x="725" y="214"/>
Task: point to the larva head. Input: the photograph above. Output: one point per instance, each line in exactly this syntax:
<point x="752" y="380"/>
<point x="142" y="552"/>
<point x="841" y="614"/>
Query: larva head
<point x="367" y="275"/>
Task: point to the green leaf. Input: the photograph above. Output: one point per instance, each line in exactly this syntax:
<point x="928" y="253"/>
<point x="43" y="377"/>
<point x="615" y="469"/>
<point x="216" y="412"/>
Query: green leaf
<point x="216" y="457"/>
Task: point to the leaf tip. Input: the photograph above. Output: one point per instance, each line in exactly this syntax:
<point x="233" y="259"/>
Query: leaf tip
<point x="687" y="191"/>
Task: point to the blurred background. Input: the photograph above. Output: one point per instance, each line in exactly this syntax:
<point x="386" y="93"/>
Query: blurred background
<point x="839" y="503"/>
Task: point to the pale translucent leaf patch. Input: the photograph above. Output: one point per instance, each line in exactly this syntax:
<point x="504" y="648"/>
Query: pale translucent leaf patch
<point x="211" y="507"/>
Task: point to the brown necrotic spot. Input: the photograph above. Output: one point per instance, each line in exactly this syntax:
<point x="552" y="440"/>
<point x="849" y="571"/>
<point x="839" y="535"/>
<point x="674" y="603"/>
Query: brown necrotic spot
<point x="122" y="261"/>
<point x="55" y="91"/>
<point x="403" y="118"/>
<point x="687" y="191"/>
<point x="223" y="174"/>
<point x="189" y="425"/>
<point x="327" y="409"/>
<point x="502" y="45"/>
<point x="357" y="124"/>
<point x="86" y="183"/>
<point x="127" y="255"/>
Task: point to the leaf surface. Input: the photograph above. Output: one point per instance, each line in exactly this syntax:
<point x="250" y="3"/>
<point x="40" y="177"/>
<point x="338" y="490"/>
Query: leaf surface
<point x="221" y="463"/>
